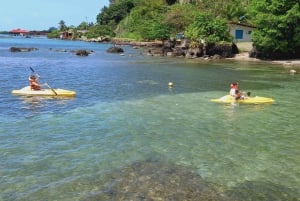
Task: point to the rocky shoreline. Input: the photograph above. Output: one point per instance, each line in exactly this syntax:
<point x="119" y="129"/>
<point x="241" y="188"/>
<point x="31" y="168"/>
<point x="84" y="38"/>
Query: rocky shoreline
<point x="240" y="52"/>
<point x="244" y="56"/>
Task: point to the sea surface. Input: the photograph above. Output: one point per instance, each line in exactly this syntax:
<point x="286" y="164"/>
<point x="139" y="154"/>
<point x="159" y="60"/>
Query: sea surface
<point x="128" y="136"/>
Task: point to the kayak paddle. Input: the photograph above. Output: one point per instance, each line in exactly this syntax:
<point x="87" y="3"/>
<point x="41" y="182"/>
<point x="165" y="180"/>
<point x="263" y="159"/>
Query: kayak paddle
<point x="45" y="83"/>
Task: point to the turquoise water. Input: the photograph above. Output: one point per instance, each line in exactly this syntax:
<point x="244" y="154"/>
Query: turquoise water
<point x="127" y="136"/>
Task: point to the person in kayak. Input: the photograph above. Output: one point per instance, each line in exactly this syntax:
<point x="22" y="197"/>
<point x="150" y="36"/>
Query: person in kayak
<point x="234" y="90"/>
<point x="33" y="83"/>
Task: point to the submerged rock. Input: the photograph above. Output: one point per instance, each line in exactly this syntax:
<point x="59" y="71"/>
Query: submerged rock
<point x="22" y="49"/>
<point x="115" y="49"/>
<point x="155" y="180"/>
<point x="82" y="52"/>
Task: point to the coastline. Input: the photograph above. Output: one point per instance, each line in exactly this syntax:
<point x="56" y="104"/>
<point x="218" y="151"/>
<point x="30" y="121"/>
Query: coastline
<point x="244" y="56"/>
<point x="245" y="48"/>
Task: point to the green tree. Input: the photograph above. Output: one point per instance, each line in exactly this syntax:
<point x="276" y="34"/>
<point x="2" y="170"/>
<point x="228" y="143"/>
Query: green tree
<point x="83" y="26"/>
<point x="62" y="25"/>
<point x="277" y="27"/>
<point x="179" y="17"/>
<point x="115" y="12"/>
<point x="206" y="27"/>
<point x="154" y="29"/>
<point x="54" y="34"/>
<point x="99" y="30"/>
<point x="145" y="21"/>
<point x="228" y="9"/>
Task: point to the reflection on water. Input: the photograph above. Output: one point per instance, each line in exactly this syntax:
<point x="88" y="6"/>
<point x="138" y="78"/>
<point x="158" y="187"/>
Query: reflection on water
<point x="37" y="104"/>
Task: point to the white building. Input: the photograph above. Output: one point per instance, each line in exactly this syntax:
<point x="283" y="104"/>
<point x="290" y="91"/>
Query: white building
<point x="241" y="32"/>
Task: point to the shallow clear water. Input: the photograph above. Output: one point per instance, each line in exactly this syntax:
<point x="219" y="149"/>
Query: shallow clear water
<point x="125" y="115"/>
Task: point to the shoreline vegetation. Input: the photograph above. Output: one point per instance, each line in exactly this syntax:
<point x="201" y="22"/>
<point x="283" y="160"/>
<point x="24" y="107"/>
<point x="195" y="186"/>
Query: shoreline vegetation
<point x="244" y="49"/>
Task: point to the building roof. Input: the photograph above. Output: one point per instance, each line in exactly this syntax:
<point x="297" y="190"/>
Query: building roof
<point x="18" y="31"/>
<point x="242" y="24"/>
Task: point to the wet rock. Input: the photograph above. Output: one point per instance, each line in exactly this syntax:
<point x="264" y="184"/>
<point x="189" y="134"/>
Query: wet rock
<point x="153" y="181"/>
<point x="155" y="52"/>
<point x="193" y="53"/>
<point x="224" y="50"/>
<point x="82" y="53"/>
<point x="115" y="49"/>
<point x="177" y="52"/>
<point x="22" y="49"/>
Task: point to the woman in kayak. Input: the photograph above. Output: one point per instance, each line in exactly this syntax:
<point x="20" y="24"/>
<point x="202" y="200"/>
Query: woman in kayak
<point x="33" y="83"/>
<point x="234" y="91"/>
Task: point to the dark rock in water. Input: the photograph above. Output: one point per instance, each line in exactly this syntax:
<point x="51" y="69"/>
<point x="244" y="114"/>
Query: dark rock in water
<point x="22" y="49"/>
<point x="155" y="180"/>
<point x="82" y="53"/>
<point x="115" y="49"/>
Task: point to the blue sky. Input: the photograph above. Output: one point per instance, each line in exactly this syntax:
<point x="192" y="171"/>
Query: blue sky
<point x="43" y="14"/>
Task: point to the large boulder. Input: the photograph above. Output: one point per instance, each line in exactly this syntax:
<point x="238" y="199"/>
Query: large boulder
<point x="115" y="49"/>
<point x="224" y="50"/>
<point x="168" y="46"/>
<point x="178" y="52"/>
<point x="194" y="52"/>
<point x="82" y="52"/>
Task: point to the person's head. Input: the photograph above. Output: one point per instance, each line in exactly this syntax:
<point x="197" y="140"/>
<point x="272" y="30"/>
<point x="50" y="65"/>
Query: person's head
<point x="234" y="85"/>
<point x="32" y="77"/>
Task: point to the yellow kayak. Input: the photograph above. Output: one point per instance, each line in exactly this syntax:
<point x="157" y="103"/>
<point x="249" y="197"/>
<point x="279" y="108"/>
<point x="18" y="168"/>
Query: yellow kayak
<point x="246" y="100"/>
<point x="26" y="91"/>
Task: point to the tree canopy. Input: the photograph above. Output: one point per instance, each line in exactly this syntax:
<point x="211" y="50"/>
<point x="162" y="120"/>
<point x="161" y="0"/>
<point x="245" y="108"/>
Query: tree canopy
<point x="209" y="29"/>
<point x="277" y="22"/>
<point x="277" y="33"/>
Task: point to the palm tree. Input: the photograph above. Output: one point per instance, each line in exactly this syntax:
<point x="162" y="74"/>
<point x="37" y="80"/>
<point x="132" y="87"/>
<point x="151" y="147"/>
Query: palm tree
<point x="62" y="25"/>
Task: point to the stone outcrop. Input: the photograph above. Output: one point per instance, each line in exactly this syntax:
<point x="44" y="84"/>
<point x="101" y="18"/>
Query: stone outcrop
<point x="22" y="49"/>
<point x="115" y="49"/>
<point x="224" y="50"/>
<point x="82" y="52"/>
<point x="273" y="55"/>
<point x="184" y="48"/>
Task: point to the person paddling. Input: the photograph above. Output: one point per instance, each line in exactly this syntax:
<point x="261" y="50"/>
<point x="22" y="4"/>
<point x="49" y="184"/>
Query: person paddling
<point x="33" y="83"/>
<point x="234" y="91"/>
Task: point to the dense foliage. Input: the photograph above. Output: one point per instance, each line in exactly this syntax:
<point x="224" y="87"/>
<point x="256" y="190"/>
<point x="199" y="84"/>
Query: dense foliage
<point x="208" y="29"/>
<point x="145" y="22"/>
<point x="161" y="19"/>
<point x="277" y="22"/>
<point x="278" y="28"/>
<point x="111" y="16"/>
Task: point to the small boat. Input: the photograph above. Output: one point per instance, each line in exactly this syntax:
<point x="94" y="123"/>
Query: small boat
<point x="246" y="100"/>
<point x="26" y="91"/>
